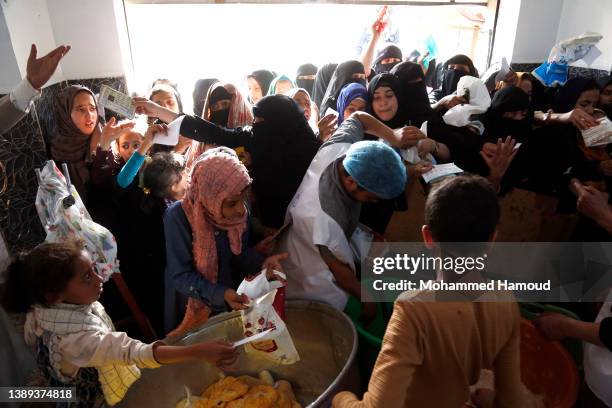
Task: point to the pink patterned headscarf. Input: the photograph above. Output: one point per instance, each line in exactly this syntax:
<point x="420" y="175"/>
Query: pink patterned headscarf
<point x="239" y="115"/>
<point x="216" y="175"/>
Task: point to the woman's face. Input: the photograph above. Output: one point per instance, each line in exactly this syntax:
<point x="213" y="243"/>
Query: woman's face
<point x="516" y="115"/>
<point x="460" y="67"/>
<point x="303" y="102"/>
<point x="526" y="86"/>
<point x="221" y="105"/>
<point x="167" y="100"/>
<point x="255" y="91"/>
<point x="128" y="144"/>
<point x="357" y="104"/>
<point x="282" y="86"/>
<point x="588" y="100"/>
<point x="605" y="98"/>
<point x="385" y="103"/>
<point x="233" y="207"/>
<point x="84" y="114"/>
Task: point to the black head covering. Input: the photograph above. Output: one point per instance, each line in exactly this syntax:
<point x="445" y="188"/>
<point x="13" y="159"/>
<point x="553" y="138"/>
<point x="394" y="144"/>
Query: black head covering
<point x="431" y="79"/>
<point x="509" y="99"/>
<point x="390" y="51"/>
<point x="415" y="105"/>
<point x="389" y="80"/>
<point x="264" y="79"/>
<point x="450" y="77"/>
<point x="568" y="94"/>
<point x="322" y="79"/>
<point x="200" y="90"/>
<point x="282" y="149"/>
<point x="307" y="84"/>
<point x="343" y="75"/>
<point x="463" y="60"/>
<point x="604" y="81"/>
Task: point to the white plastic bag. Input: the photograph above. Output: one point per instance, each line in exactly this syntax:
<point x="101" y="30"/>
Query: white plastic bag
<point x="61" y="222"/>
<point x="475" y="91"/>
<point x="277" y="346"/>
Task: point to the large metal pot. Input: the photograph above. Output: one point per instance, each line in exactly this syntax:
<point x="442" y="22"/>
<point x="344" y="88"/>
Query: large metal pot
<point x="324" y="337"/>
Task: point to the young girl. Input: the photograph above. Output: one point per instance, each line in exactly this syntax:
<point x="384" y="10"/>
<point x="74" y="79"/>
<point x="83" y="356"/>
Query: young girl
<point x="75" y="341"/>
<point x="143" y="190"/>
<point x="206" y="241"/>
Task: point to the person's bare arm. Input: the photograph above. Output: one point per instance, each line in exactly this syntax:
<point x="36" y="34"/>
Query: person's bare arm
<point x="367" y="57"/>
<point x="402" y="138"/>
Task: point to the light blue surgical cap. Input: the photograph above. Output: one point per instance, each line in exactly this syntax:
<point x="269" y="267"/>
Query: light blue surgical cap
<point x="377" y="168"/>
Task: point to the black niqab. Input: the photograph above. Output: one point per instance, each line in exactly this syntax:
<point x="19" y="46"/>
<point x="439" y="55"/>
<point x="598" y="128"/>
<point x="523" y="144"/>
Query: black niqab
<point x="343" y="75"/>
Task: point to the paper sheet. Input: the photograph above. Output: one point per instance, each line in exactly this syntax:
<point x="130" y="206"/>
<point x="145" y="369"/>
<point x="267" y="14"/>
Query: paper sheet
<point x="255" y="337"/>
<point x="599" y="135"/>
<point x="116" y="101"/>
<point x="441" y="170"/>
<point x="172" y="138"/>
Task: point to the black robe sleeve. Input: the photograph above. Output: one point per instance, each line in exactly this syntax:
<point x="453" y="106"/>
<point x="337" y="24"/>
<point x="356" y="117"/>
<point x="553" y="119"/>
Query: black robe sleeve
<point x="204" y="131"/>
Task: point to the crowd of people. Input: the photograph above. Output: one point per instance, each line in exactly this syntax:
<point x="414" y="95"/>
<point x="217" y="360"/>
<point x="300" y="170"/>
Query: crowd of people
<point x="323" y="154"/>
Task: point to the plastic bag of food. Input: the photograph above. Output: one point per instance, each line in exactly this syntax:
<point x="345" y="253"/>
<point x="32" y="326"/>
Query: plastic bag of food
<point x="554" y="71"/>
<point x="261" y="315"/>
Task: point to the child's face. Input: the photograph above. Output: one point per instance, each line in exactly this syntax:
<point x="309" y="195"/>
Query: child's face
<point x="128" y="144"/>
<point x="233" y="207"/>
<point x="178" y="190"/>
<point x="85" y="287"/>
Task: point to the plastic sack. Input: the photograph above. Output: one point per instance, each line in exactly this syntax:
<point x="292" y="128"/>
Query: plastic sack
<point x="63" y="222"/>
<point x="555" y="70"/>
<point x="261" y="315"/>
<point x="475" y="91"/>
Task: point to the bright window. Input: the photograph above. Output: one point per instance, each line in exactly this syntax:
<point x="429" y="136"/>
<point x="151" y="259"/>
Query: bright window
<point x="185" y="42"/>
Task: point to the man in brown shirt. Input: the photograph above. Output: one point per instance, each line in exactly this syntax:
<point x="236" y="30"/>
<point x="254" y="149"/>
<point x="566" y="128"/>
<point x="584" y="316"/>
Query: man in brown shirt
<point x="433" y="351"/>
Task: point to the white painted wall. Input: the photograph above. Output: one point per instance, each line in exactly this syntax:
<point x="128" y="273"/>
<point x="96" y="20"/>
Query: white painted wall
<point x="90" y="27"/>
<point x="579" y="16"/>
<point x="28" y="22"/>
<point x="9" y="70"/>
<point x="95" y="29"/>
<point x="536" y="30"/>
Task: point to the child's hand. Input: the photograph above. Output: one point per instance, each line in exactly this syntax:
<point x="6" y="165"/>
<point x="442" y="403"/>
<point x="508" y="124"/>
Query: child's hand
<point x="234" y="300"/>
<point x="273" y="262"/>
<point x="218" y="353"/>
<point x="147" y="142"/>
<point x="553" y="326"/>
<point x="113" y="131"/>
<point x="420" y="168"/>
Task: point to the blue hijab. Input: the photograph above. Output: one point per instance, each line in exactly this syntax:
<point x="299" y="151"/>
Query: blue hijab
<point x="347" y="95"/>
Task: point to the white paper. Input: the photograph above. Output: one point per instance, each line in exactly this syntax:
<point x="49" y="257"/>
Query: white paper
<point x="172" y="138"/>
<point x="441" y="170"/>
<point x="255" y="337"/>
<point x="116" y="101"/>
<point x="599" y="135"/>
<point x="332" y="112"/>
